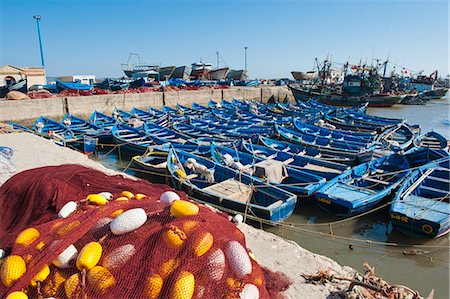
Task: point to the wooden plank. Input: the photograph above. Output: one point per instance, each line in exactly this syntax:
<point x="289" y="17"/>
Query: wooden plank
<point x="375" y="180"/>
<point x="230" y="188"/>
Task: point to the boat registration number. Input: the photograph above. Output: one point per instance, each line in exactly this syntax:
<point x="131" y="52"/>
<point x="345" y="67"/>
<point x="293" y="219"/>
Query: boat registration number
<point x="324" y="200"/>
<point x="399" y="217"/>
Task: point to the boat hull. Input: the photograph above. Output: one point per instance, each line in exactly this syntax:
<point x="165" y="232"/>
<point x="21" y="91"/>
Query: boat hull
<point x="219" y="74"/>
<point x="181" y="72"/>
<point x="238" y="75"/>
<point x="344" y="101"/>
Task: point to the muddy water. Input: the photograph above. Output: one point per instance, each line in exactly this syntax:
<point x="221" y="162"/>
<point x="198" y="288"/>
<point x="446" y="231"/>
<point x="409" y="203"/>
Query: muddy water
<point x="356" y="241"/>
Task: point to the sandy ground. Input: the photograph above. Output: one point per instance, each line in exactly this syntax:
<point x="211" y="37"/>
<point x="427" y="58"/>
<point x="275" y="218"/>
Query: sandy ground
<point x="31" y="151"/>
<point x="274" y="252"/>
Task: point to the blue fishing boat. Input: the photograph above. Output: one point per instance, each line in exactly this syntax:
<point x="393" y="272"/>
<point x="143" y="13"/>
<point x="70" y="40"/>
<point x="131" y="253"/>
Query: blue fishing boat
<point x="363" y="187"/>
<point x="155" y="112"/>
<point x="167" y="109"/>
<point x="121" y="115"/>
<point x="184" y="110"/>
<point x="228" y="189"/>
<point x="200" y="108"/>
<point x="332" y="134"/>
<point x="130" y="140"/>
<point x="54" y="130"/>
<point x="421" y="208"/>
<point x="201" y="132"/>
<point x="370" y="119"/>
<point x="163" y="135"/>
<point x="169" y="113"/>
<point x="278" y="172"/>
<point x="399" y="137"/>
<point x="350" y="125"/>
<point x="163" y="119"/>
<point x="316" y="166"/>
<point x="82" y="127"/>
<point x="432" y="140"/>
<point x="363" y="151"/>
<point x="301" y="150"/>
<point x="244" y="130"/>
<point x="320" y="123"/>
<point x="153" y="164"/>
<point x="102" y="120"/>
<point x="128" y="118"/>
<point x="144" y="115"/>
<point x="213" y="104"/>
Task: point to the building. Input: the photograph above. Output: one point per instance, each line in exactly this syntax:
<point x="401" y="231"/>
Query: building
<point x="83" y="79"/>
<point x="10" y="75"/>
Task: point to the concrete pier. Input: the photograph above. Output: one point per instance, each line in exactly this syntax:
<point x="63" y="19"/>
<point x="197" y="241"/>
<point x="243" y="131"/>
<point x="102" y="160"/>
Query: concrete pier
<point x="28" y="111"/>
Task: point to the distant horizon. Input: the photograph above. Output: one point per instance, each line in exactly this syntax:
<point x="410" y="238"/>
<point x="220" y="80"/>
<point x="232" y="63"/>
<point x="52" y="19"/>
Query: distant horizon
<point x="95" y="37"/>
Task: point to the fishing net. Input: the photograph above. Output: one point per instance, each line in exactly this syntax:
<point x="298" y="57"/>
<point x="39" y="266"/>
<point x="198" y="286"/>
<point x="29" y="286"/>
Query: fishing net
<point x="141" y="247"/>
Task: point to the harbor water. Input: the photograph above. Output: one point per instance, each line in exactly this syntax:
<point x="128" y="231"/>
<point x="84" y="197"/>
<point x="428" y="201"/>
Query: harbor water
<point x="419" y="264"/>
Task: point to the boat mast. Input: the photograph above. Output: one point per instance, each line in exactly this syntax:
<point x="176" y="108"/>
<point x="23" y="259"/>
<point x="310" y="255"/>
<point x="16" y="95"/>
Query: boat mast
<point x="217" y="58"/>
<point x="385" y="67"/>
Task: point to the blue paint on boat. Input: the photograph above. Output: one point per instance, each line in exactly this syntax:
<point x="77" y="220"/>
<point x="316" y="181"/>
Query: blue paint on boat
<point x="259" y="199"/>
<point x="363" y="187"/>
<point x="420" y="207"/>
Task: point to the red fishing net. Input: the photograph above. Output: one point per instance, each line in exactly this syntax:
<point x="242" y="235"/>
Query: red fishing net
<point x="136" y="248"/>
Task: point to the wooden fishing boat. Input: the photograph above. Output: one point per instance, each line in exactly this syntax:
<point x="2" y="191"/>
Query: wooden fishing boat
<point x="324" y="142"/>
<point x="276" y="171"/>
<point x="163" y="135"/>
<point x="213" y="104"/>
<point x="362" y="108"/>
<point x="200" y="108"/>
<point x="421" y="208"/>
<point x="332" y="134"/>
<point x="202" y="132"/>
<point x="102" y="120"/>
<point x="365" y="122"/>
<point x="301" y="150"/>
<point x="153" y="163"/>
<point x="342" y="124"/>
<point x="130" y="140"/>
<point x="432" y="140"/>
<point x="155" y="112"/>
<point x="316" y="166"/>
<point x="121" y="115"/>
<point x="360" y="189"/>
<point x="320" y="123"/>
<point x="164" y="120"/>
<point x="59" y="133"/>
<point x="230" y="115"/>
<point x="400" y="137"/>
<point x="82" y="127"/>
<point x="370" y="119"/>
<point x="233" y="129"/>
<point x="228" y="189"/>
<point x="144" y="115"/>
<point x="167" y="109"/>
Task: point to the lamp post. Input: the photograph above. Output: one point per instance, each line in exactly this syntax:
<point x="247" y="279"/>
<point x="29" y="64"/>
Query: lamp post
<point x="245" y="48"/>
<point x="38" y="19"/>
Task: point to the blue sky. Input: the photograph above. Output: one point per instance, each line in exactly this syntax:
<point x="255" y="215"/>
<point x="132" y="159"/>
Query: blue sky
<point x="95" y="37"/>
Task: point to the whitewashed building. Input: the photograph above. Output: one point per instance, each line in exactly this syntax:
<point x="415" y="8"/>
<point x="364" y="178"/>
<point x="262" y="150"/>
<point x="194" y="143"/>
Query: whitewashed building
<point x="10" y="75"/>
